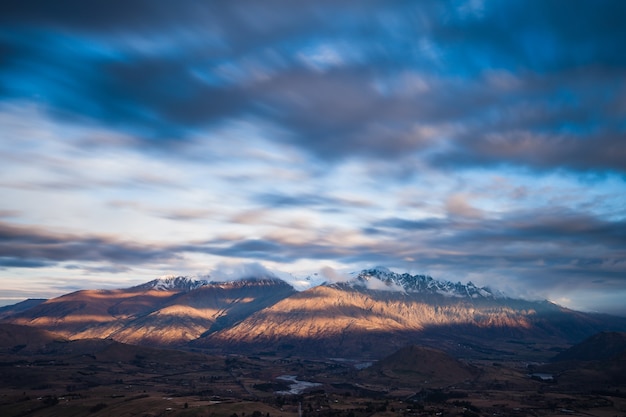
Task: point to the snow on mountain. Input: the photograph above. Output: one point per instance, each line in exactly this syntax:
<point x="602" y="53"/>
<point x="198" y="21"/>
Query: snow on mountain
<point x="172" y="282"/>
<point x="378" y="278"/>
<point x="305" y="283"/>
<point x="381" y="278"/>
<point x="256" y="281"/>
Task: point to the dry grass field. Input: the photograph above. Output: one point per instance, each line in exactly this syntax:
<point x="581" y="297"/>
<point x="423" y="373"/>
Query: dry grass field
<point x="184" y="384"/>
<point x="43" y="376"/>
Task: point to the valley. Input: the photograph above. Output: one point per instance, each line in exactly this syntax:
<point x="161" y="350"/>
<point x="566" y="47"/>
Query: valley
<point x="380" y="345"/>
<point x="47" y="376"/>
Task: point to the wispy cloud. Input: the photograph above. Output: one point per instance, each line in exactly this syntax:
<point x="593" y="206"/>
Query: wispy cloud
<point x="465" y="139"/>
<point x="36" y="245"/>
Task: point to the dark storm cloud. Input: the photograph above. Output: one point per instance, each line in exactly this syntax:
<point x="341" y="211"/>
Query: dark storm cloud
<point x="268" y="249"/>
<point x="556" y="247"/>
<point x="38" y="246"/>
<point x="597" y="152"/>
<point x="33" y="247"/>
<point x="555" y="97"/>
<point x="163" y="94"/>
<point x="10" y="262"/>
<point x="243" y="24"/>
<point x="112" y="269"/>
<point x="556" y="225"/>
<point x="98" y="16"/>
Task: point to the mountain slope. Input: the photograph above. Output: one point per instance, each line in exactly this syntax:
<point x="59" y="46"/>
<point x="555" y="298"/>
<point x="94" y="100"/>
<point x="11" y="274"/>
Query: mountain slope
<point x="599" y="347"/>
<point x="15" y="338"/>
<point x="172" y="282"/>
<point x="347" y="320"/>
<point x="167" y="312"/>
<point x="13" y="309"/>
<point x="373" y="314"/>
<point x="597" y="362"/>
<point x="418" y="364"/>
<point x="91" y="313"/>
<point x="381" y="278"/>
<point x="203" y="310"/>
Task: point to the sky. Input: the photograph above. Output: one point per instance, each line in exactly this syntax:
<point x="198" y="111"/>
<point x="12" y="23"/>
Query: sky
<point x="479" y="141"/>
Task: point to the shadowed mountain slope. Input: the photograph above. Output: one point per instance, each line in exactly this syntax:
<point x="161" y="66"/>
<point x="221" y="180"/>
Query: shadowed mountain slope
<point x="339" y="320"/>
<point x="92" y="313"/>
<point x="15" y="338"/>
<point x="420" y="364"/>
<point x="599" y="347"/>
<point x="599" y="361"/>
<point x="13" y="309"/>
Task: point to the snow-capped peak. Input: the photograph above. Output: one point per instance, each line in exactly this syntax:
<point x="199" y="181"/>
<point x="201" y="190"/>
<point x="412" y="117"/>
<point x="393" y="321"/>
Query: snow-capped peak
<point x="173" y="282"/>
<point x="381" y="278"/>
<point x="258" y="281"/>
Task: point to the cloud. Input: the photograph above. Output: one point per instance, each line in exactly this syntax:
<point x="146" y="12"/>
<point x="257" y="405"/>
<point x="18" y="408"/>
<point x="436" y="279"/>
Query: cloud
<point x="378" y="285"/>
<point x="555" y="248"/>
<point x="14" y="262"/>
<point x="332" y="275"/>
<point x="276" y="200"/>
<point x="597" y="152"/>
<point x="458" y="205"/>
<point x="237" y="271"/>
<point x="445" y="137"/>
<point x="37" y="246"/>
<point x="220" y="63"/>
<point x="320" y="200"/>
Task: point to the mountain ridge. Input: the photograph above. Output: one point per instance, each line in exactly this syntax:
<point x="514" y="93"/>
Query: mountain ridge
<point x="173" y="282"/>
<point x="406" y="282"/>
<point x="370" y="314"/>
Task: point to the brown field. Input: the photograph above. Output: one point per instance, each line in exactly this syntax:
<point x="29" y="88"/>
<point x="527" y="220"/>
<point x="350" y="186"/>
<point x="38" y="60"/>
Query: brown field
<point x="105" y="378"/>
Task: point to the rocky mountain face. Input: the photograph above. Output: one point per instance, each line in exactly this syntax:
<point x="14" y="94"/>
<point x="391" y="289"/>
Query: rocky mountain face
<point x="338" y="320"/>
<point x="422" y="284"/>
<point x="164" y="312"/>
<point x="171" y="282"/>
<point x="372" y="314"/>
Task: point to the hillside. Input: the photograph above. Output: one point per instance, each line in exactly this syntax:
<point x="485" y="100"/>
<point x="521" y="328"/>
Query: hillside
<point x="420" y="365"/>
<point x="10" y="310"/>
<point x="92" y="313"/>
<point x="336" y="320"/>
<point x="599" y="347"/>
<point x="370" y="315"/>
<point x="205" y="310"/>
<point x="598" y="361"/>
<point x="155" y="313"/>
<point x="23" y="339"/>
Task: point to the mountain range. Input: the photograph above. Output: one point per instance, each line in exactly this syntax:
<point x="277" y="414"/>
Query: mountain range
<point x="368" y="315"/>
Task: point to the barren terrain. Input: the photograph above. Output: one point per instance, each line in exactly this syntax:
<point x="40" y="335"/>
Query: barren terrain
<point x="44" y="375"/>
